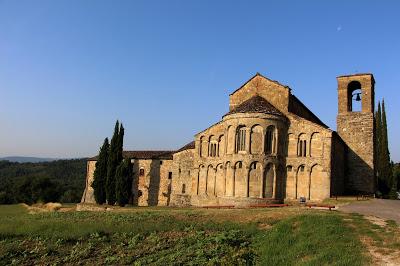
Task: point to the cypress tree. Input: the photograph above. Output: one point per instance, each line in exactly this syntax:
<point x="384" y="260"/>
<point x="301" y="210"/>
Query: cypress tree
<point x="384" y="143"/>
<point x="378" y="136"/>
<point x="113" y="162"/>
<point x="100" y="174"/>
<point x="122" y="188"/>
<point x="120" y="143"/>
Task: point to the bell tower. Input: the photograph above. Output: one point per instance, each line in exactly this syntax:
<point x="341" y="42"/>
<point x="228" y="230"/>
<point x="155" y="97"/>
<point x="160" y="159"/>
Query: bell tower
<point x="356" y="127"/>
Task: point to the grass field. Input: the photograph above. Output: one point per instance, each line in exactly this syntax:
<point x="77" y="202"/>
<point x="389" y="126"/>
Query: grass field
<point x="167" y="236"/>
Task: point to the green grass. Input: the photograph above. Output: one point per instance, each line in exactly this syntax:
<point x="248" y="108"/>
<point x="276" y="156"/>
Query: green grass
<point x="310" y="240"/>
<point x="163" y="236"/>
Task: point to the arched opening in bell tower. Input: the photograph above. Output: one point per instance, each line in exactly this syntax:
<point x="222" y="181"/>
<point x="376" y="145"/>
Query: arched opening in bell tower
<point x="354" y="94"/>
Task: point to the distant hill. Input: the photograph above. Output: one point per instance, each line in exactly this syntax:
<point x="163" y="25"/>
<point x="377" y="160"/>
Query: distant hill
<point x="63" y="180"/>
<point x="24" y="159"/>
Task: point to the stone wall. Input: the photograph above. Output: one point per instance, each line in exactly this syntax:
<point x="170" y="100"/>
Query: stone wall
<point x="308" y="162"/>
<point x="357" y="131"/>
<point x="338" y="165"/>
<point x="153" y="187"/>
<point x="231" y="175"/>
<point x="182" y="181"/>
<point x="277" y="94"/>
<point x="88" y="196"/>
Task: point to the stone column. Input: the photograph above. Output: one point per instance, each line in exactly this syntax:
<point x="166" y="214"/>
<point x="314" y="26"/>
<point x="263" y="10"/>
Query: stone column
<point x="215" y="181"/>
<point x="197" y="146"/>
<point x="195" y="181"/>
<point x="274" y="183"/>
<point x="247" y="181"/>
<point x="248" y="133"/>
<point x="263" y="142"/>
<point x="224" y="167"/>
<point x="226" y="142"/>
<point x="233" y="180"/>
<point x="262" y="182"/>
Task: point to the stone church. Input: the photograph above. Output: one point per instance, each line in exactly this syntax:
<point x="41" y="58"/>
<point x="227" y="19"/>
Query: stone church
<point x="269" y="147"/>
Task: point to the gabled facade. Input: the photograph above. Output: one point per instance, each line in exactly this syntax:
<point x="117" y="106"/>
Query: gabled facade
<point x="269" y="147"/>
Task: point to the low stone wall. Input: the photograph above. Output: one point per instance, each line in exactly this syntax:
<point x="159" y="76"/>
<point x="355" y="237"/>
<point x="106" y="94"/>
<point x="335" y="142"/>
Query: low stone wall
<point x="90" y="207"/>
<point x="180" y="200"/>
<point x="204" y="200"/>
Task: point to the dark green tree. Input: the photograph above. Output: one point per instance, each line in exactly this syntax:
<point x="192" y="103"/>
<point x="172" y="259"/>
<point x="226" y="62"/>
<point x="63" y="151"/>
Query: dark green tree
<point x="123" y="182"/>
<point x="100" y="173"/>
<point x="384" y="169"/>
<point x="114" y="159"/>
<point x="393" y="182"/>
<point x="386" y="166"/>
<point x="378" y="153"/>
<point x="120" y="143"/>
<point x="37" y="189"/>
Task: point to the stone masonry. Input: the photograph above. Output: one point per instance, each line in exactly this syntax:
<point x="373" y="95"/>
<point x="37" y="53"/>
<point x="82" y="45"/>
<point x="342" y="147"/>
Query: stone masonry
<point x="268" y="148"/>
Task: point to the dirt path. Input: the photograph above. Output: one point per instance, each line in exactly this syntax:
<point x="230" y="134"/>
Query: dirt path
<point x="385" y="209"/>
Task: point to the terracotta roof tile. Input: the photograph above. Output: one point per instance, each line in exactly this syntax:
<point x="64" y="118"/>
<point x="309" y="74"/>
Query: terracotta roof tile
<point x="189" y="146"/>
<point x="256" y="104"/>
<point x="167" y="155"/>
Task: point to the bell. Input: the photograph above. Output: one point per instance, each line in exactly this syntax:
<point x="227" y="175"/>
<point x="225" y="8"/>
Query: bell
<point x="358" y="98"/>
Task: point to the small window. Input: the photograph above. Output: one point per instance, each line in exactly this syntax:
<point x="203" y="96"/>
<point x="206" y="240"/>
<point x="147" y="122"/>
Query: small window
<point x="183" y="188"/>
<point x="269" y="140"/>
<point x="253" y="166"/>
<point x="160" y="162"/>
<point x="302" y="168"/>
<point x="169" y="175"/>
<point x="240" y="141"/>
<point x="239" y="165"/>
<point x="289" y="168"/>
<point x="141" y="172"/>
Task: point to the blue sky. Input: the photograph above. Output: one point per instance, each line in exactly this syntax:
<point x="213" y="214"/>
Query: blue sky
<point x="69" y="69"/>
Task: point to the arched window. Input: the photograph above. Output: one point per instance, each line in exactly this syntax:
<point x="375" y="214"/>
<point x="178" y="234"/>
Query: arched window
<point x="354" y="96"/>
<point x="210" y="146"/>
<point x="302" y="146"/>
<point x="240" y="139"/>
<point x="183" y="188"/>
<point x="220" y="146"/>
<point x="270" y="140"/>
<point x="201" y="147"/>
<point x="213" y="149"/>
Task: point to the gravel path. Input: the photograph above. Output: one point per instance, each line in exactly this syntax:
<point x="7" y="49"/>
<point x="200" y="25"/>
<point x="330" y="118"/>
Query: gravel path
<point x="385" y="209"/>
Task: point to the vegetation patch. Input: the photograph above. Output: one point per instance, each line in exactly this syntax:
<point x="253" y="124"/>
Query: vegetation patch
<point x="166" y="236"/>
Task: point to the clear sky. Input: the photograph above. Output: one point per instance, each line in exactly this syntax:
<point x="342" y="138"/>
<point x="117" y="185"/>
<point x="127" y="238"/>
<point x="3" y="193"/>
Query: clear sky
<point x="69" y="69"/>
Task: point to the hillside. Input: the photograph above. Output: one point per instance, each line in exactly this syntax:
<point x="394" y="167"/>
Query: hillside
<point x="61" y="180"/>
<point x="25" y="159"/>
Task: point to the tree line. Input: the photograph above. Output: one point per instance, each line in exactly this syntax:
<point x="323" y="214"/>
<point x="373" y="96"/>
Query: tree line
<point x="387" y="173"/>
<point x="112" y="177"/>
<point x="56" y="181"/>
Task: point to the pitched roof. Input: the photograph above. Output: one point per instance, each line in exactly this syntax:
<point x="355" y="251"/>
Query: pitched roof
<point x="304" y="112"/>
<point x="189" y="146"/>
<point x="256" y="104"/>
<point x="167" y="155"/>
